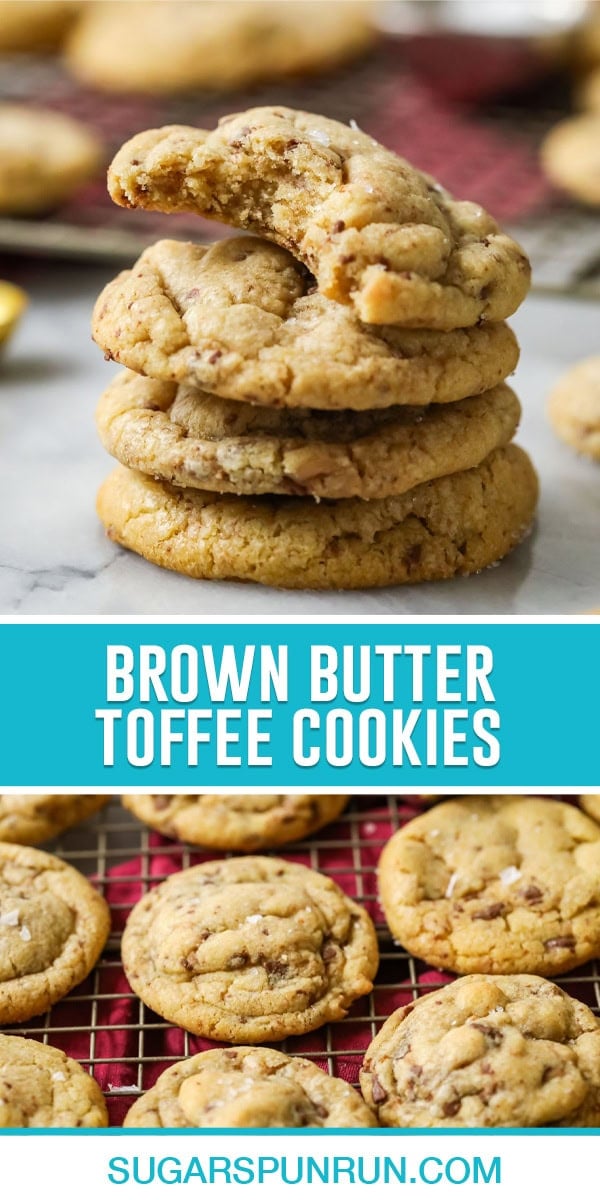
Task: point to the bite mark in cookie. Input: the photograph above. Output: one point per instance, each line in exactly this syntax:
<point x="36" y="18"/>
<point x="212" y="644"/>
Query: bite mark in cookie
<point x="375" y="232"/>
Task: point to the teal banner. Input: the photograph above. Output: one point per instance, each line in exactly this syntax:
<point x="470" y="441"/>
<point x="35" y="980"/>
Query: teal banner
<point x="345" y="705"/>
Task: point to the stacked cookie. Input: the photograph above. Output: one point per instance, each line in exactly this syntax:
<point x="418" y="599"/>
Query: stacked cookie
<point x="355" y="358"/>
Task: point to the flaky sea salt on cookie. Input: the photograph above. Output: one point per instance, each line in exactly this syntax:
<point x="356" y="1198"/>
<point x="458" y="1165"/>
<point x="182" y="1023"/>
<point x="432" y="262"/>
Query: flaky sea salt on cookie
<point x="375" y="232"/>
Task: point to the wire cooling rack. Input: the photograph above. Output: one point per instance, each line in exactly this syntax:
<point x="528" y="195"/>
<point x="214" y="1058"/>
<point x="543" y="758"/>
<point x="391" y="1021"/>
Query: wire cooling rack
<point x="126" y="1046"/>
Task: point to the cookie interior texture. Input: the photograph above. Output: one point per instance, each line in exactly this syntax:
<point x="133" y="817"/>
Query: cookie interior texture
<point x="451" y="526"/>
<point x="495" y="884"/>
<point x="33" y="819"/>
<point x="375" y="232"/>
<point x="193" y="439"/>
<point x="249" y="950"/>
<point x="487" y="1051"/>
<point x="54" y="926"/>
<point x="248" y="1087"/>
<point x="242" y="319"/>
<point x="235" y="821"/>
<point x="41" y="1088"/>
<point x="213" y="45"/>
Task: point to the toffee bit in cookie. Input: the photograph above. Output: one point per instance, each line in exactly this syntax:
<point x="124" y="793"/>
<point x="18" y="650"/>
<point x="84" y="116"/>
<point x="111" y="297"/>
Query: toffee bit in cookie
<point x="490" y="913"/>
<point x="378" y="1093"/>
<point x="560" y="943"/>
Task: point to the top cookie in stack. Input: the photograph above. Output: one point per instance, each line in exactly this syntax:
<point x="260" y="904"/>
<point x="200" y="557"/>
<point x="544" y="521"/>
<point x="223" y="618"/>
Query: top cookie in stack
<point x="357" y="355"/>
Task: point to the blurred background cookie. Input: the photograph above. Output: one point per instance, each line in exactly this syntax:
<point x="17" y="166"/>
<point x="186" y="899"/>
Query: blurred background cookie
<point x="40" y="25"/>
<point x="174" y="46"/>
<point x="574" y="408"/>
<point x="571" y="157"/>
<point x="32" y="819"/>
<point x="44" y="157"/>
<point x="235" y="821"/>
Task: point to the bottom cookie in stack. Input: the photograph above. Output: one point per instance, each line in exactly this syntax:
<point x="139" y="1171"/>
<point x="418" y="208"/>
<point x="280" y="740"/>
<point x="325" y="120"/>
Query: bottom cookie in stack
<point x="455" y="525"/>
<point x="406" y="494"/>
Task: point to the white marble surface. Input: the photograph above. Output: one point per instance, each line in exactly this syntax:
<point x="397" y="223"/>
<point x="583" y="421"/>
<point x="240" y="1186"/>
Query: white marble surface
<point x="55" y="559"/>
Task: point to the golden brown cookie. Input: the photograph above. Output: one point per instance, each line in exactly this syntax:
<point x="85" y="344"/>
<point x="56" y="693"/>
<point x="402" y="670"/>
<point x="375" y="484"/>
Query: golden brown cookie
<point x="44" y="157"/>
<point x="249" y="950"/>
<point x="213" y="45"/>
<point x="33" y="819"/>
<point x="571" y="157"/>
<point x="53" y="927"/>
<point x="193" y="439"/>
<point x="40" y="1088"/>
<point x="574" y="408"/>
<point x="35" y="25"/>
<point x="497" y="884"/>
<point x="242" y="319"/>
<point x="235" y="821"/>
<point x="485" y="1051"/>
<point x="374" y="231"/>
<point x="248" y="1087"/>
<point x="591" y="805"/>
<point x="451" y="526"/>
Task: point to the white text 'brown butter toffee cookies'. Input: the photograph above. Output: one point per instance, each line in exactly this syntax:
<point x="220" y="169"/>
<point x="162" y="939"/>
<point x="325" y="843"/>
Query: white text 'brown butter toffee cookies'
<point x="374" y="231"/>
<point x="40" y="1088"/>
<point x="487" y="1051"/>
<point x="242" y="319"/>
<point x="495" y="884"/>
<point x="53" y="927"/>
<point x="249" y="950"/>
<point x="248" y="1087"/>
<point x="235" y="821"/>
